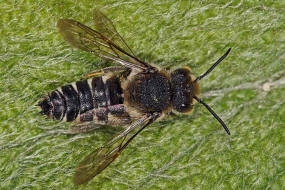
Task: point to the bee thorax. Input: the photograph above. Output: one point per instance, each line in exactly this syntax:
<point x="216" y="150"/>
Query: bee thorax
<point x="149" y="92"/>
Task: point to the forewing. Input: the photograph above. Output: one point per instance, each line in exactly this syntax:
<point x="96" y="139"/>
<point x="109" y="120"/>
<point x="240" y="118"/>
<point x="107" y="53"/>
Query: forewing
<point x="97" y="161"/>
<point x="90" y="40"/>
<point x="105" y="26"/>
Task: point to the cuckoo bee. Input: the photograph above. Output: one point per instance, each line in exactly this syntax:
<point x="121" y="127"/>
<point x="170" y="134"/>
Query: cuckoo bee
<point x="133" y="95"/>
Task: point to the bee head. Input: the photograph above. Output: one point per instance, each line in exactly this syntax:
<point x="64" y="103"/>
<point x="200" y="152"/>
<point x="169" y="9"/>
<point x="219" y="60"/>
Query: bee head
<point x="183" y="90"/>
<point x="46" y="106"/>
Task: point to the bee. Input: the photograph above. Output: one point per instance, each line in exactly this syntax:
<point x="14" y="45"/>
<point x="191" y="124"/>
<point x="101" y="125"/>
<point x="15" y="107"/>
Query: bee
<point x="133" y="95"/>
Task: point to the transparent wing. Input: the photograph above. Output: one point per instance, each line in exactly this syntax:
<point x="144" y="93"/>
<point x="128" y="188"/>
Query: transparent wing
<point x="97" y="161"/>
<point x="105" y="26"/>
<point x="90" y="40"/>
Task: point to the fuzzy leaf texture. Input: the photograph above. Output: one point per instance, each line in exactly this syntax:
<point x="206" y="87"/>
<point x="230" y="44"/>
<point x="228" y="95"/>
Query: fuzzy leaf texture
<point x="183" y="152"/>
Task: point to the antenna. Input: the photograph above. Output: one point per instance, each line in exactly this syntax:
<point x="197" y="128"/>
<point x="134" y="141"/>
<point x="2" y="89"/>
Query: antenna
<point x="213" y="113"/>
<point x="213" y="66"/>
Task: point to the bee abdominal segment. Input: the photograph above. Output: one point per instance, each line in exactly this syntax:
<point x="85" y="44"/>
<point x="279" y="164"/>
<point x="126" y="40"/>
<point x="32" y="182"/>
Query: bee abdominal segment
<point x="72" y="102"/>
<point x="58" y="104"/>
<point x="85" y="96"/>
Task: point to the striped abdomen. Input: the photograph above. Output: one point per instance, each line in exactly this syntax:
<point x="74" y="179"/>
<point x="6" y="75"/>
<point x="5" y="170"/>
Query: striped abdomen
<point x="68" y="102"/>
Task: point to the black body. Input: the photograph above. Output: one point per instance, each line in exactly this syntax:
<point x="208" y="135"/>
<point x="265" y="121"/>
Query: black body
<point x="69" y="101"/>
<point x="149" y="92"/>
<point x="183" y="90"/>
<point x="146" y="92"/>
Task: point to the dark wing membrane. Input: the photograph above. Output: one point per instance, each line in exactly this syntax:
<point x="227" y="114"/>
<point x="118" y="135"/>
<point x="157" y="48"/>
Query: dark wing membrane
<point x="105" y="26"/>
<point x="89" y="40"/>
<point x="97" y="161"/>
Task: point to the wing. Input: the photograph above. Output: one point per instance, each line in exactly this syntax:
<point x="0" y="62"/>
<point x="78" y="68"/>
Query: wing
<point x="97" y="161"/>
<point x="105" y="26"/>
<point x="100" y="44"/>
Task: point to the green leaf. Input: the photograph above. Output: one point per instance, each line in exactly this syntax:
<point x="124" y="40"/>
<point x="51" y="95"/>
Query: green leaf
<point x="183" y="152"/>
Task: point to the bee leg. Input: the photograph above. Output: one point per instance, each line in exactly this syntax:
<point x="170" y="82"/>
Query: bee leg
<point x="105" y="70"/>
<point x="85" y="127"/>
<point x="93" y="74"/>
